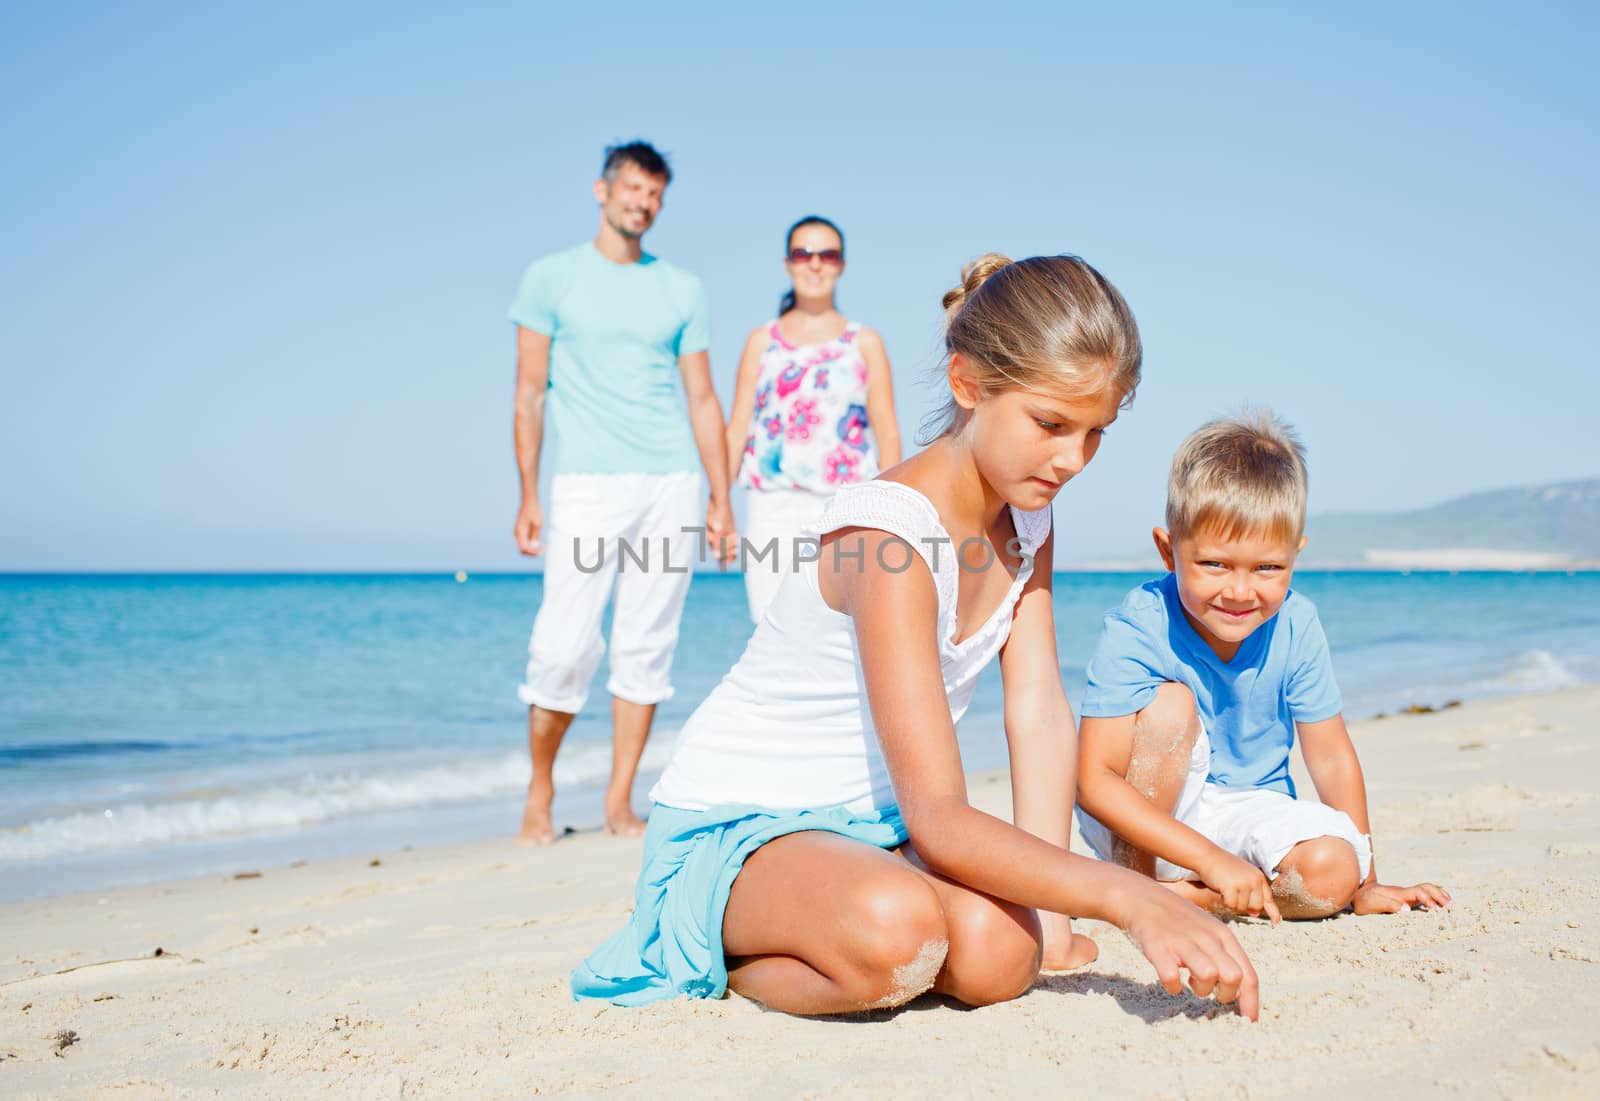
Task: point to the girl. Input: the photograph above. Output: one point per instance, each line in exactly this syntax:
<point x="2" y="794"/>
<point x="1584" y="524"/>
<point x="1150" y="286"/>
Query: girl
<point x="812" y="846"/>
<point x="813" y="408"/>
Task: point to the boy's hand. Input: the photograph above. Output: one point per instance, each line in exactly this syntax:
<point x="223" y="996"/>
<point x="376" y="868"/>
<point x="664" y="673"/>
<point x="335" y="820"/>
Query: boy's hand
<point x="1377" y="898"/>
<point x="1243" y="888"/>
<point x="1177" y="937"/>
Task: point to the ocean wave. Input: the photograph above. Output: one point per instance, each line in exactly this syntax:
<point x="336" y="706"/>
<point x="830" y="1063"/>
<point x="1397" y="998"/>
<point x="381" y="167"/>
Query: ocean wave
<point x="58" y="751"/>
<point x="312" y="799"/>
<point x="1529" y="671"/>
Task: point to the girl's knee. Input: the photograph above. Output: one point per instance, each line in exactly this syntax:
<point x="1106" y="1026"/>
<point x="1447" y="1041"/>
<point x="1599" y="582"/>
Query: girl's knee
<point x="899" y="942"/>
<point x="1321" y="874"/>
<point x="995" y="949"/>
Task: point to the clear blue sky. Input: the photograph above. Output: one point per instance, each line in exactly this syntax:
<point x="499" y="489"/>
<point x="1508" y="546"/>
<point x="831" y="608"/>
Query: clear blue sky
<point x="255" y="263"/>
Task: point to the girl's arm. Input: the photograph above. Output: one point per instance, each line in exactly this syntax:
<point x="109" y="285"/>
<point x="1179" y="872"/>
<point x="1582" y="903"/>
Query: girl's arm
<point x="880" y="399"/>
<point x="896" y="623"/>
<point x="744" y="400"/>
<point x="1042" y="742"/>
<point x="1336" y="773"/>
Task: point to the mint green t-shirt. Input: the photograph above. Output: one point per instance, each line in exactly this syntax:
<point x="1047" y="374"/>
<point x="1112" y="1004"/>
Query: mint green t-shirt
<point x="615" y="401"/>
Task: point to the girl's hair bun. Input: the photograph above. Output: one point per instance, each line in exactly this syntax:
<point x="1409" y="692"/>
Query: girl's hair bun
<point x="973" y="276"/>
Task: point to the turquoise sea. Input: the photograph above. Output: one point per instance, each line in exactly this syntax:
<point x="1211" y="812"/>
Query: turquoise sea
<point x="155" y="726"/>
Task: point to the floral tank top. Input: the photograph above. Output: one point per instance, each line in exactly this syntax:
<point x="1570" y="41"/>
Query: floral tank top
<point x="809" y="430"/>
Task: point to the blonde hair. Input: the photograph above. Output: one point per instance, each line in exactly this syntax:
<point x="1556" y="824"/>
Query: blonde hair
<point x="1044" y="323"/>
<point x="1238" y="476"/>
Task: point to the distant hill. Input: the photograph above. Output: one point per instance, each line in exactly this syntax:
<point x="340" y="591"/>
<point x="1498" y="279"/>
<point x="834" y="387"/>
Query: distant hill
<point x="1532" y="526"/>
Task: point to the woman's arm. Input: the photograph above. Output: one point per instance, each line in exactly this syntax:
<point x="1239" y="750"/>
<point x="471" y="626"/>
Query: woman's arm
<point x="744" y="401"/>
<point x="880" y="399"/>
<point x="896" y="625"/>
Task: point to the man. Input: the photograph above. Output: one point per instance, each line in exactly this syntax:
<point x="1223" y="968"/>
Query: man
<point x="600" y="329"/>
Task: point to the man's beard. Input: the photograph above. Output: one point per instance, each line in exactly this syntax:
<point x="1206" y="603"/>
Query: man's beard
<point x="630" y="234"/>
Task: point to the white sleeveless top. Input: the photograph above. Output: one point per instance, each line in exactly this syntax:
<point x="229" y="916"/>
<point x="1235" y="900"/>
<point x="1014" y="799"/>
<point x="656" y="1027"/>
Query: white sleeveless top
<point x="789" y="726"/>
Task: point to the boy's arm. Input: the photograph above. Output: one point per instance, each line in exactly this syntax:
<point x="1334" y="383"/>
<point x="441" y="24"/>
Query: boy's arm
<point x="1042" y="743"/>
<point x="1336" y="773"/>
<point x="1104" y="791"/>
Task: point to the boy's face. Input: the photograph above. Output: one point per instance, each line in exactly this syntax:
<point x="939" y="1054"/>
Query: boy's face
<point x="1229" y="586"/>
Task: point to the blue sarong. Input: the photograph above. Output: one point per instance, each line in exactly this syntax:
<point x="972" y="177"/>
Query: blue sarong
<point x="672" y="946"/>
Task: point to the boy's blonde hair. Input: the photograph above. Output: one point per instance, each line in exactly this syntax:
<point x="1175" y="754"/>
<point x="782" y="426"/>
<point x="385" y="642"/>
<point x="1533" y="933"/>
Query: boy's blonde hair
<point x="1048" y="323"/>
<point x="1237" y="476"/>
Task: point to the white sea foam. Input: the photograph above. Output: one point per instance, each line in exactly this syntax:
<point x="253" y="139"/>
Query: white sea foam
<point x="1530" y="671"/>
<point x="314" y="798"/>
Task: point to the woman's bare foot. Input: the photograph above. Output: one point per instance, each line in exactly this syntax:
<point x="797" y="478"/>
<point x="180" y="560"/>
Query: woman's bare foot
<point x="537" y="829"/>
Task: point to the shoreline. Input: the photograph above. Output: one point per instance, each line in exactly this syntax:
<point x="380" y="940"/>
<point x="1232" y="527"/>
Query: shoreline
<point x="443" y="969"/>
<point x="481" y="818"/>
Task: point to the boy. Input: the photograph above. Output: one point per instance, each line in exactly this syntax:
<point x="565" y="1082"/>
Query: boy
<point x="1198" y="687"/>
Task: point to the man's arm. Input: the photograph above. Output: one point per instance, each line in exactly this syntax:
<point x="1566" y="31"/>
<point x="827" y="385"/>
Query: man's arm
<point x="527" y="430"/>
<point x="1336" y="773"/>
<point x="705" y="421"/>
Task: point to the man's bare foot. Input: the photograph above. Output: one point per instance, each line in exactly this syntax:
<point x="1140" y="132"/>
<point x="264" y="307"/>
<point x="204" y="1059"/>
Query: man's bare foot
<point x="622" y="822"/>
<point x="537" y="829"/>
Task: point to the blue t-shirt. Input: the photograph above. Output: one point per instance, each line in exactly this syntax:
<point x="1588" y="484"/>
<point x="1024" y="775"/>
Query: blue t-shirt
<point x="1280" y="676"/>
<point x="615" y="401"/>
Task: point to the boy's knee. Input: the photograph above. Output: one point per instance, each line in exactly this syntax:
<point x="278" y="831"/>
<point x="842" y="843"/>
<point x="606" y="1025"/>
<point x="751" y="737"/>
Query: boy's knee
<point x="1320" y="876"/>
<point x="1172" y="717"/>
<point x="900" y="942"/>
<point x="995" y="948"/>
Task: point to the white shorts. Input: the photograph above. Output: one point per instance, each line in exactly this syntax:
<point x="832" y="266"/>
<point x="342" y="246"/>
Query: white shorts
<point x="1258" y="825"/>
<point x="775" y="517"/>
<point x="603" y="530"/>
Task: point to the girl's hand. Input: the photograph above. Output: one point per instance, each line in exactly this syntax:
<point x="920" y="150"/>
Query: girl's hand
<point x="1243" y="888"/>
<point x="1177" y="937"/>
<point x="1375" y="898"/>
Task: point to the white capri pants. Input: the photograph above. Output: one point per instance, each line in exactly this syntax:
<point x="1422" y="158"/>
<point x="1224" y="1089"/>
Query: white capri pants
<point x="773" y="514"/>
<point x="1258" y="825"/>
<point x="603" y="530"/>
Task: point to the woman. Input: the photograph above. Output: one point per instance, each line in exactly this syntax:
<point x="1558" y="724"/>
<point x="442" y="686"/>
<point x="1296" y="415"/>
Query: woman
<point x="813" y="409"/>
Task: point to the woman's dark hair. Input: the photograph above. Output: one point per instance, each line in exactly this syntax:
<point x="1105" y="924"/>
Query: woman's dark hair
<point x="786" y="303"/>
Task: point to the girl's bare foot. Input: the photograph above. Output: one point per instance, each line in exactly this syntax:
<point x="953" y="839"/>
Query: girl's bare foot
<point x="1080" y="951"/>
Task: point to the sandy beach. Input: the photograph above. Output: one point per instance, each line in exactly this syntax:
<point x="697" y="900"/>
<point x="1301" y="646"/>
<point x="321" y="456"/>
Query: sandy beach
<point x="437" y="972"/>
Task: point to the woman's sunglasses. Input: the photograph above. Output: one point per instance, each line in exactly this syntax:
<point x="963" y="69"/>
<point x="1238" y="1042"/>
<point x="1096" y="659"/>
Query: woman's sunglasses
<point x="832" y="257"/>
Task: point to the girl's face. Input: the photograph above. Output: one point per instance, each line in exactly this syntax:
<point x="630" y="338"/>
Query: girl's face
<point x="1029" y="443"/>
<point x="815" y="261"/>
